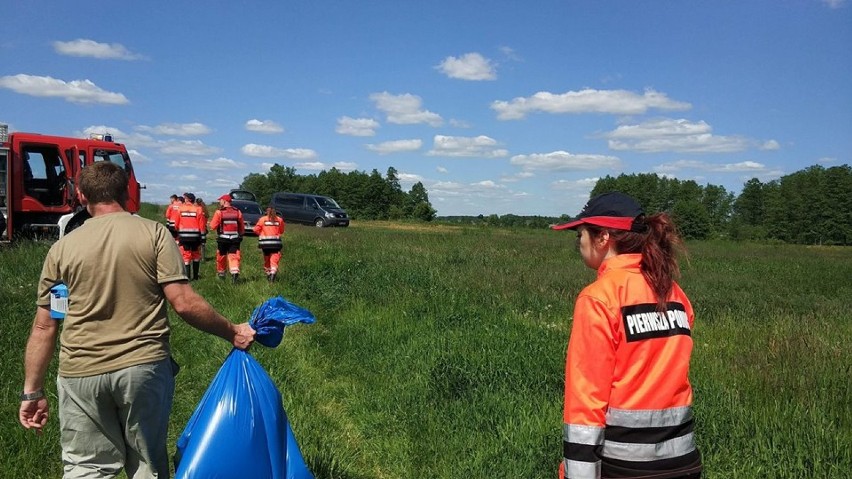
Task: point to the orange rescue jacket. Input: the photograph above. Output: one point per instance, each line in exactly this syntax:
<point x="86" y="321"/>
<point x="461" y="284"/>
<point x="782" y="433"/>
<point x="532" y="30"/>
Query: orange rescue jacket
<point x="228" y="223"/>
<point x="628" y="401"/>
<point x="189" y="223"/>
<point x="269" y="232"/>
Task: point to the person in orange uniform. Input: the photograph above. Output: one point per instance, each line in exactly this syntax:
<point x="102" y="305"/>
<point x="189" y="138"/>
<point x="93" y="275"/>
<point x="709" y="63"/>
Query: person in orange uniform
<point x="189" y="223"/>
<point x="171" y="212"/>
<point x="628" y="400"/>
<point x="229" y="226"/>
<point x="204" y="219"/>
<point x="269" y="229"/>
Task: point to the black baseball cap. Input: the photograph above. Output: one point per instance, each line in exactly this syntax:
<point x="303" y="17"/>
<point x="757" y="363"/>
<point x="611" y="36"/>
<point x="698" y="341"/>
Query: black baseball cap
<point x="613" y="210"/>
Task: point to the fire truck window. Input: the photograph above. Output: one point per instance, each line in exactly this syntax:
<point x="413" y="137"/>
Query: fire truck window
<point x="113" y="156"/>
<point x="44" y="175"/>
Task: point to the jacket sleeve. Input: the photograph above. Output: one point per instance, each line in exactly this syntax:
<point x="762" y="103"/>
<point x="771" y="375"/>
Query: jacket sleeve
<point x="588" y="380"/>
<point x="258" y="227"/>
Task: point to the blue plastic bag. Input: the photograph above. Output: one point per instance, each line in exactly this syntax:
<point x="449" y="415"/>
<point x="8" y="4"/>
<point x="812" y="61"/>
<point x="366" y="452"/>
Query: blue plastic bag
<point x="240" y="428"/>
<point x="270" y="318"/>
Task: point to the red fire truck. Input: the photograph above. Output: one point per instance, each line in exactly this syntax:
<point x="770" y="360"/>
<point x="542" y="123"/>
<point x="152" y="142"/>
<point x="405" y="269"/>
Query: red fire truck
<point x="37" y="192"/>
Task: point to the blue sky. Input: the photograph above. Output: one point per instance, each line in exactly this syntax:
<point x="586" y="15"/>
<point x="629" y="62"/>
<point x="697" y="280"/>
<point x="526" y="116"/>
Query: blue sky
<point x="495" y="106"/>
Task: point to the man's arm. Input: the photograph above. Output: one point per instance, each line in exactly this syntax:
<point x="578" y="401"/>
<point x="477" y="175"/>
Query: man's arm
<point x="40" y="348"/>
<point x="196" y="311"/>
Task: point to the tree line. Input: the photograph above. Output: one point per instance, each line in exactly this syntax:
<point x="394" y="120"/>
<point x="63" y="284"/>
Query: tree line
<point x="811" y="206"/>
<point x="363" y="196"/>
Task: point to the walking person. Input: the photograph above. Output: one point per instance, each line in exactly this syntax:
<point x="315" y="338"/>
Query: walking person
<point x="204" y="220"/>
<point x="628" y="400"/>
<point x="175" y="203"/>
<point x="269" y="229"/>
<point x="230" y="228"/>
<point x="189" y="224"/>
<point x="116" y="377"/>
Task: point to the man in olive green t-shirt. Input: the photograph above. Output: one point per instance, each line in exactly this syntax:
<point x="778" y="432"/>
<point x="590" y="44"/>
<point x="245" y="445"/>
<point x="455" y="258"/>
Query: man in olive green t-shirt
<point x="116" y="381"/>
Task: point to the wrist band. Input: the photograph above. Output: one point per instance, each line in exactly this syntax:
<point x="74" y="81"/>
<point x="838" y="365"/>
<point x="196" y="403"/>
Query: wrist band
<point x="37" y="394"/>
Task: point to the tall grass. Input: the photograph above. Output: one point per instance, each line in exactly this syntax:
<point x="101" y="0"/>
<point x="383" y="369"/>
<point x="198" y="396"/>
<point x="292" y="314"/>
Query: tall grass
<point x="439" y="352"/>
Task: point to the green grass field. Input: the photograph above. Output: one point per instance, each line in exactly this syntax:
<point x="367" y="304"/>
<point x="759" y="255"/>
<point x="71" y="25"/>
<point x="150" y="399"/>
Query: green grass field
<point x="439" y="352"/>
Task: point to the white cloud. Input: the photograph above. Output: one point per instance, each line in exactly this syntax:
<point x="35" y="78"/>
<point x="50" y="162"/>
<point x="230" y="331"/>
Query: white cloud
<point x="459" y="123"/>
<point x="93" y="49"/>
<point x="409" y="178"/>
<point x="395" y="146"/>
<point x="564" y="161"/>
<point x="616" y="102"/>
<point x="356" y="126"/>
<point x="405" y="109"/>
<point x="470" y="66"/>
<point x="264" y="126"/>
<point x="345" y="165"/>
<point x="320" y="166"/>
<point x="462" y="146"/>
<point x="312" y="166"/>
<point x="682" y="165"/>
<point x="137" y="157"/>
<point x="582" y="186"/>
<point x="487" y="184"/>
<point x="826" y="160"/>
<point x="186" y="147"/>
<point x="441" y="169"/>
<point x="219" y="164"/>
<point x="770" y="145"/>
<point x="176" y="129"/>
<point x="517" y="177"/>
<point x="834" y="3"/>
<point x="264" y="151"/>
<point x="681" y="136"/>
<point x="510" y="53"/>
<point x="76" y="91"/>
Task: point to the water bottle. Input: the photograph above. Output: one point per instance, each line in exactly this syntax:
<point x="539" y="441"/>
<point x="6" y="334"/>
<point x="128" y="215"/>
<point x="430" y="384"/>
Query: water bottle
<point x="58" y="301"/>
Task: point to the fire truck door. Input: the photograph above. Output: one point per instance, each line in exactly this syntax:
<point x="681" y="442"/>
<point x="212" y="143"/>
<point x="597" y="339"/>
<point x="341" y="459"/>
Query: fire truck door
<point x="73" y="165"/>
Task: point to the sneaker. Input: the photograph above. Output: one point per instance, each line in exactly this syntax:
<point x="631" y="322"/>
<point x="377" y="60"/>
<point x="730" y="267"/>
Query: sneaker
<point x="235" y="277"/>
<point x="221" y="275"/>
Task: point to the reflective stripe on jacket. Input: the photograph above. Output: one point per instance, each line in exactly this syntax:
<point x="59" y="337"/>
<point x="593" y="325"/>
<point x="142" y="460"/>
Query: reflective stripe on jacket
<point x="269" y="232"/>
<point x="628" y="401"/>
<point x="189" y="222"/>
<point x="228" y="223"/>
<point x="172" y="212"/>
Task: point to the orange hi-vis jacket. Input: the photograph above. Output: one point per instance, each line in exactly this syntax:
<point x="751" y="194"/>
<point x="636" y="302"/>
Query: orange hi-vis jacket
<point x="228" y="223"/>
<point x="269" y="232"/>
<point x="172" y="212"/>
<point x="189" y="223"/>
<point x="628" y="401"/>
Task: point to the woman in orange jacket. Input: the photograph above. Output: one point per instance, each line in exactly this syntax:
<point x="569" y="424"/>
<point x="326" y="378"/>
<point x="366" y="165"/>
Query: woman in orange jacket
<point x="269" y="229"/>
<point x="628" y="400"/>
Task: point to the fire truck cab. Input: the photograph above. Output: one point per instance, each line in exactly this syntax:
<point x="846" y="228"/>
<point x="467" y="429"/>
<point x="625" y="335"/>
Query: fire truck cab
<point x="37" y="174"/>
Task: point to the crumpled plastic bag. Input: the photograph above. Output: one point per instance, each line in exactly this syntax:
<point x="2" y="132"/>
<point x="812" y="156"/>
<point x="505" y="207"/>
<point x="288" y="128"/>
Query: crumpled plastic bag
<point x="270" y="318"/>
<point x="239" y="428"/>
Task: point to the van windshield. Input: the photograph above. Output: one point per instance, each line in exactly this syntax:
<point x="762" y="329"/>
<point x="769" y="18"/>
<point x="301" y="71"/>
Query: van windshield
<point x="327" y="202"/>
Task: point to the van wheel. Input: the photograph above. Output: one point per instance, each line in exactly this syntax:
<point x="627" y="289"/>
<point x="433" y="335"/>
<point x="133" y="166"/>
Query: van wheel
<point x="319" y="223"/>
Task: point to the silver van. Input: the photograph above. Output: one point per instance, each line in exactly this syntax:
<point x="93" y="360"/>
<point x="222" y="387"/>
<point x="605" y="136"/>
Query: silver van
<point x="316" y="210"/>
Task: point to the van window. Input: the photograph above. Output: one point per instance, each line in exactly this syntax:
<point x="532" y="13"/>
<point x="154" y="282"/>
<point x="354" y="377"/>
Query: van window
<point x="289" y="200"/>
<point x="327" y="202"/>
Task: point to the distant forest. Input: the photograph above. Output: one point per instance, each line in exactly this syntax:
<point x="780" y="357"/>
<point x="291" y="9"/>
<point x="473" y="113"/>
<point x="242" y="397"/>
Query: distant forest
<point x="811" y="206"/>
<point x="363" y="196"/>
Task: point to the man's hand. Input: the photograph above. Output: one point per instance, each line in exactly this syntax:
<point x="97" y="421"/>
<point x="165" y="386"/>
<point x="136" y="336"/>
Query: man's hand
<point x="243" y="336"/>
<point x="34" y="414"/>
